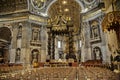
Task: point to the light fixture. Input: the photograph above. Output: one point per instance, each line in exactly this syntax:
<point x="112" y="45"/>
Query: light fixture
<point x="66" y="9"/>
<point x="64" y="2"/>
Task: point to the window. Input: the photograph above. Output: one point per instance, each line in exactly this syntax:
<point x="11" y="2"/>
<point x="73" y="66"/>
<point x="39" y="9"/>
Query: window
<point x="59" y="44"/>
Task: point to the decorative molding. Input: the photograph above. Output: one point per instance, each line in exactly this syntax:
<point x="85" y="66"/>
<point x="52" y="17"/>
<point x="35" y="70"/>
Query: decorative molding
<point x="89" y="1"/>
<point x="92" y="15"/>
<point x="38" y="4"/>
<point x="37" y="18"/>
<point x="95" y="31"/>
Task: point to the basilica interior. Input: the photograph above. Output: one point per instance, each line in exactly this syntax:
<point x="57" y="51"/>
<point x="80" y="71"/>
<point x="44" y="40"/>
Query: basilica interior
<point x="59" y="39"/>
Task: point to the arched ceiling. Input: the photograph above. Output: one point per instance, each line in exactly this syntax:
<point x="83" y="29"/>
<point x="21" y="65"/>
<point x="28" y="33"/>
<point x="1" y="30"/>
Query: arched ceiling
<point x="68" y="9"/>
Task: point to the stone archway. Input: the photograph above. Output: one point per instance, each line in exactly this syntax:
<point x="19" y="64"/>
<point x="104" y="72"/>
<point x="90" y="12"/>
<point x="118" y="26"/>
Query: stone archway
<point x="5" y="40"/>
<point x="5" y="34"/>
<point x="78" y="1"/>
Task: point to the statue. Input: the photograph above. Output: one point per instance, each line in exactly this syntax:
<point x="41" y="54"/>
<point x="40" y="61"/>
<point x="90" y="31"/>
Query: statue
<point x="35" y="55"/>
<point x="1" y="57"/>
<point x="18" y="52"/>
<point x="97" y="53"/>
<point x="35" y="59"/>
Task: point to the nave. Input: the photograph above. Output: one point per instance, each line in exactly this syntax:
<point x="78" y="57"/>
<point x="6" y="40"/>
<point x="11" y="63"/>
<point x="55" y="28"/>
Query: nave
<point x="60" y="73"/>
<point x="59" y="40"/>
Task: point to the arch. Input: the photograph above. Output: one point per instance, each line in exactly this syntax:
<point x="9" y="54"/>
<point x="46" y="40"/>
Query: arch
<point x="81" y="4"/>
<point x="50" y="6"/>
<point x="5" y="34"/>
<point x="78" y="1"/>
<point x="5" y="40"/>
